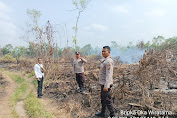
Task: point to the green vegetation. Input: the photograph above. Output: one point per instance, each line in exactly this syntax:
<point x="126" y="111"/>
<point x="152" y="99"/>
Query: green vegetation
<point x="11" y="54"/>
<point x="20" y="90"/>
<point x="18" y="93"/>
<point x="158" y="43"/>
<point x="7" y="49"/>
<point x="14" y="114"/>
<point x="7" y="58"/>
<point x="31" y="74"/>
<point x="34" y="107"/>
<point x="32" y="104"/>
<point x="18" y="79"/>
<point x="35" y="83"/>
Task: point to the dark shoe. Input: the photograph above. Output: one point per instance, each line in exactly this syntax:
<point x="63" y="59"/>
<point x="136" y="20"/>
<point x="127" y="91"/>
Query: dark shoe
<point x="78" y="90"/>
<point x="42" y="94"/>
<point x="112" y="115"/>
<point x="83" y="91"/>
<point x="39" y="96"/>
<point x="100" y="114"/>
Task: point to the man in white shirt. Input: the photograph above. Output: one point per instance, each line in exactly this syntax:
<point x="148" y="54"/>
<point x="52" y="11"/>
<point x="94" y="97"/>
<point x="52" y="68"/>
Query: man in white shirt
<point x="39" y="73"/>
<point x="78" y="69"/>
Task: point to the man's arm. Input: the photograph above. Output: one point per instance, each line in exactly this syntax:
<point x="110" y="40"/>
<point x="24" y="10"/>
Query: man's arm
<point x="42" y="68"/>
<point x="109" y="70"/>
<point x="73" y="67"/>
<point x="36" y="72"/>
<point x="84" y="60"/>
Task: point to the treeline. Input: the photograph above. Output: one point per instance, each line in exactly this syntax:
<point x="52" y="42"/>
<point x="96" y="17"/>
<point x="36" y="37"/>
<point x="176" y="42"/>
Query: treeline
<point x="158" y="43"/>
<point x="34" y="50"/>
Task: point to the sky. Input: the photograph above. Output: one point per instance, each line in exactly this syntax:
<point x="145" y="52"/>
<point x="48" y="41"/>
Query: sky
<point x="100" y="23"/>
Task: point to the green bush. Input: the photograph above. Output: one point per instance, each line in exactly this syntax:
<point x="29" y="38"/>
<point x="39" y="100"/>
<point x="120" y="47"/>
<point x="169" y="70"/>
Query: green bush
<point x="8" y="58"/>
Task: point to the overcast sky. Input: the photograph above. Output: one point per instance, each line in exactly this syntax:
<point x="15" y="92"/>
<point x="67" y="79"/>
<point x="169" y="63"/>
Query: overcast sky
<point x="102" y="21"/>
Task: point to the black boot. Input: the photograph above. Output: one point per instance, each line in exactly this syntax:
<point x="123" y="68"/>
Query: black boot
<point x="39" y="96"/>
<point x="78" y="90"/>
<point x="83" y="91"/>
<point x="112" y="115"/>
<point x="101" y="114"/>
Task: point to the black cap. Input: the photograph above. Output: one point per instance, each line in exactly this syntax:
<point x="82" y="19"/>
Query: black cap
<point x="77" y="53"/>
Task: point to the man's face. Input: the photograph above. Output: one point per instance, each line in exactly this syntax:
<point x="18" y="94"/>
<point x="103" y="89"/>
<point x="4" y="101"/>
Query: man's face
<point x="105" y="52"/>
<point x="40" y="61"/>
<point x="77" y="56"/>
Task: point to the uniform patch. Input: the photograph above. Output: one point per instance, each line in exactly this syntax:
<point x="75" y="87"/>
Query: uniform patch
<point x="108" y="67"/>
<point x="101" y="69"/>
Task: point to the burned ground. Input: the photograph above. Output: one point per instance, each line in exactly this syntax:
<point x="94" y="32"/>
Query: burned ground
<point x="149" y="84"/>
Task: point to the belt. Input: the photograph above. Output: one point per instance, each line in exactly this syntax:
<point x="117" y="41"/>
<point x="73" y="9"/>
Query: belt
<point x="102" y="86"/>
<point x="109" y="87"/>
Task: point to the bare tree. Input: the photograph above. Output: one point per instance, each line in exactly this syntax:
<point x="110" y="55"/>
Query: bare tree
<point x="80" y="6"/>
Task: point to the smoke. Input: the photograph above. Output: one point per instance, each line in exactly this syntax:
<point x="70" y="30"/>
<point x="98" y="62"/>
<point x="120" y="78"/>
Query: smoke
<point x="127" y="55"/>
<point x="123" y="54"/>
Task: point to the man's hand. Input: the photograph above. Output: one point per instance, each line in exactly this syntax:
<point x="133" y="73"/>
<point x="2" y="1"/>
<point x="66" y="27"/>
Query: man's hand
<point x="81" y="58"/>
<point x="73" y="74"/>
<point x="38" y="79"/>
<point x="105" y="89"/>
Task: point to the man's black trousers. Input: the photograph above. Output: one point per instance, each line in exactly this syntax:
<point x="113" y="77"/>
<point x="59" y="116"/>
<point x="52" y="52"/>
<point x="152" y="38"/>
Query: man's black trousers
<point x="80" y="78"/>
<point x="40" y="84"/>
<point x="106" y="100"/>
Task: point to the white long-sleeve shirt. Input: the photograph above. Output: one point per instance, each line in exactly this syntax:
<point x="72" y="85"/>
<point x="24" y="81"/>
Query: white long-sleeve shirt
<point x="37" y="70"/>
